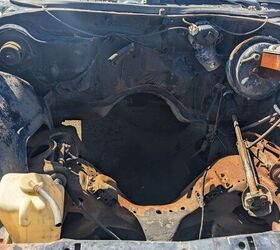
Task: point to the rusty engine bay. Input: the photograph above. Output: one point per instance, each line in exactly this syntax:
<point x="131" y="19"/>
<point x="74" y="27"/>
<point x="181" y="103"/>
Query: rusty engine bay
<point x="178" y="107"/>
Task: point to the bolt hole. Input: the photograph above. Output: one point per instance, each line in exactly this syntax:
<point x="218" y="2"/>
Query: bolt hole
<point x="158" y="211"/>
<point x="170" y="211"/>
<point x="222" y="175"/>
<point x="134" y="211"/>
<point x="241" y="245"/>
<point x="182" y="208"/>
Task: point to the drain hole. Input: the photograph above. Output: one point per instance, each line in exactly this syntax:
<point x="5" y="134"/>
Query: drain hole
<point x="241" y="245"/>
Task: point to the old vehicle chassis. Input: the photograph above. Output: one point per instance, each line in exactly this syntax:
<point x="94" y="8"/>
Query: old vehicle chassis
<point x="214" y="67"/>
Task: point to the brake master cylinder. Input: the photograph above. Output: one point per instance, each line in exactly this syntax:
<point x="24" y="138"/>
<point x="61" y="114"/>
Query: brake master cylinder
<point x="31" y="207"/>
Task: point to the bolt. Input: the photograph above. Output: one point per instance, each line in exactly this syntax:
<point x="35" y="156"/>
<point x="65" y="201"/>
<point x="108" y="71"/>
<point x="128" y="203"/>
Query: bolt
<point x="212" y="65"/>
<point x="161" y="12"/>
<point x="250" y="200"/>
<point x="256" y="56"/>
<point x="11" y="53"/>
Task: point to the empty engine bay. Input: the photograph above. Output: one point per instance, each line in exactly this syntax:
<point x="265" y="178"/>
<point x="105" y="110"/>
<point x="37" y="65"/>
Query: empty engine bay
<point x="179" y="118"/>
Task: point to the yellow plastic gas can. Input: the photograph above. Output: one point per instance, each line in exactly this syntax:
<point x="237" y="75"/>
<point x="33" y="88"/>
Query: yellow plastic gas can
<point x="31" y="207"/>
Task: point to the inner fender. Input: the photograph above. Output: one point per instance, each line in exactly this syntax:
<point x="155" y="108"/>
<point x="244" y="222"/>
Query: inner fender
<point x="22" y="113"/>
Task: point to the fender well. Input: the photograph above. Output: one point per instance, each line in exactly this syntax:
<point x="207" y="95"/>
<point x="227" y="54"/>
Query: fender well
<point x="21" y="114"/>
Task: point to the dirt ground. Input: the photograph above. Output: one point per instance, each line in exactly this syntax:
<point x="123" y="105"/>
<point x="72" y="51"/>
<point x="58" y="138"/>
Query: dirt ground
<point x="77" y="124"/>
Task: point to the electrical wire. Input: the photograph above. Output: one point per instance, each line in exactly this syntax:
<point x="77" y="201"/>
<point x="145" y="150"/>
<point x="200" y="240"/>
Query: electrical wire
<point x="218" y="113"/>
<point x="187" y="22"/>
<point x="213" y="133"/>
<point x="72" y="27"/>
<point x="205" y="173"/>
<point x="80" y="204"/>
<point x="161" y="31"/>
<point x="267" y="132"/>
<point x="141" y="43"/>
<point x="243" y="33"/>
<point x="202" y="204"/>
<point x="96" y="220"/>
<point x="231" y="32"/>
<point x="259" y="122"/>
<point x="44" y="8"/>
<point x="91" y="34"/>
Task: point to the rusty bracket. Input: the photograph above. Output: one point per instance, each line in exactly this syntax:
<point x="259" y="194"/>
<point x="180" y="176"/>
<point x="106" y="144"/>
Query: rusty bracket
<point x="256" y="199"/>
<point x="100" y="194"/>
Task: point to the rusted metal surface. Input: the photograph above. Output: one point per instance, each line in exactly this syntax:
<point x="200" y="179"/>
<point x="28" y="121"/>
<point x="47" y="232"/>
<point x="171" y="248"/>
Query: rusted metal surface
<point x="84" y="58"/>
<point x="256" y="199"/>
<point x="246" y="162"/>
<point x="161" y="222"/>
<point x="101" y="196"/>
